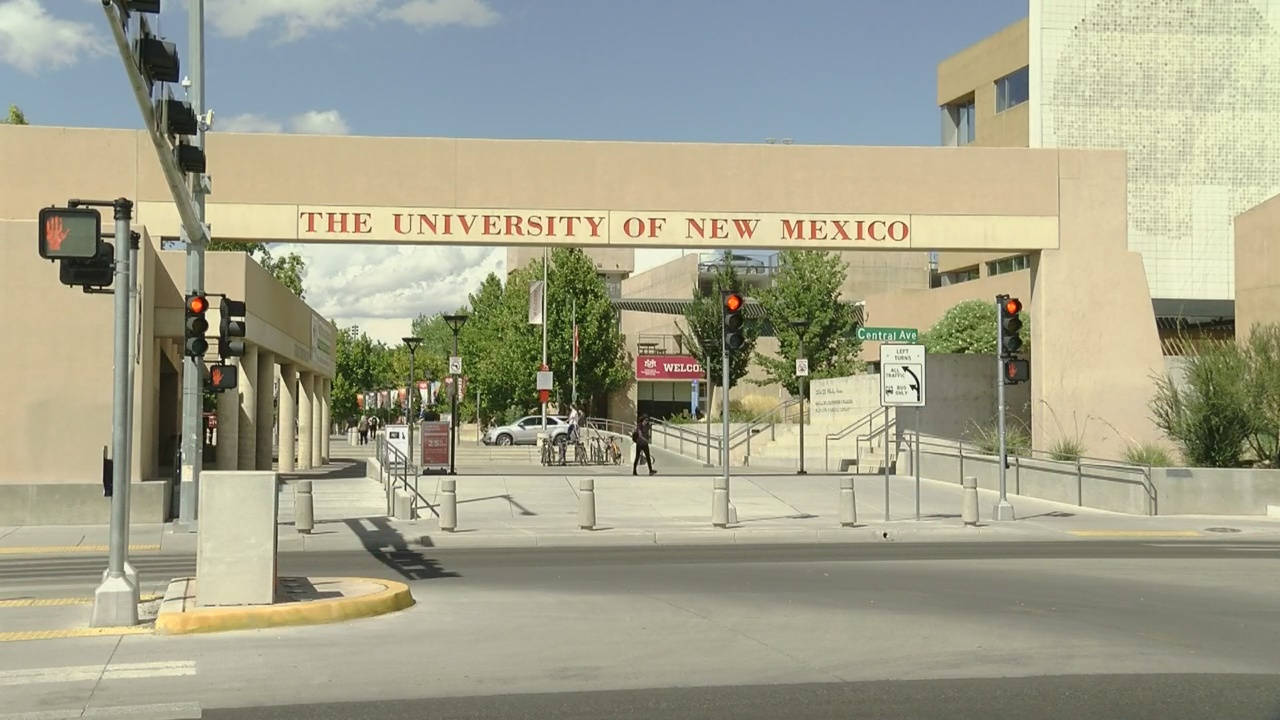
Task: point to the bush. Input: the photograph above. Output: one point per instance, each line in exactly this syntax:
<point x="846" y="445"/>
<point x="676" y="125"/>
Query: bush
<point x="1066" y="449"/>
<point x="987" y="437"/>
<point x="1209" y="419"/>
<point x="1147" y="454"/>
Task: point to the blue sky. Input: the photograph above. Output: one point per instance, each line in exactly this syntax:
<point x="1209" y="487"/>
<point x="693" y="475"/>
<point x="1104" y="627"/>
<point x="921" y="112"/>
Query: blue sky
<point x="856" y="72"/>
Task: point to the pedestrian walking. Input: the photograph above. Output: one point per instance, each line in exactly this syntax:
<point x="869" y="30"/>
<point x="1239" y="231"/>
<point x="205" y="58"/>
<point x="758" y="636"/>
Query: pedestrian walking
<point x="363" y="429"/>
<point x="641" y="436"/>
<point x="575" y="418"/>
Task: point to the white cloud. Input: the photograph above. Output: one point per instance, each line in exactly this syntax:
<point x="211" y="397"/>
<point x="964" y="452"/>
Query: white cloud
<point x="382" y="288"/>
<point x="319" y="122"/>
<point x="311" y="122"/>
<point x="297" y="18"/>
<point x="32" y="40"/>
<point x="433" y="13"/>
<point x="248" y="122"/>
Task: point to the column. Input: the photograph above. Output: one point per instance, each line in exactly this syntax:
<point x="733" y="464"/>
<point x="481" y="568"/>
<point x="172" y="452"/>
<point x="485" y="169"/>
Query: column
<point x="306" y="398"/>
<point x="228" y="452"/>
<point x="266" y="415"/>
<point x="326" y="417"/>
<point x="248" y="389"/>
<point x="288" y="414"/>
<point x="318" y="431"/>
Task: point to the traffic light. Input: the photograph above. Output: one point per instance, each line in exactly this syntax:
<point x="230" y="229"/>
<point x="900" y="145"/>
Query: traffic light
<point x="97" y="271"/>
<point x="70" y="233"/>
<point x="157" y="58"/>
<point x="733" y="305"/>
<point x="1010" y="326"/>
<point x="1016" y="371"/>
<point x="196" y="325"/>
<point x="222" y="377"/>
<point x="230" y="328"/>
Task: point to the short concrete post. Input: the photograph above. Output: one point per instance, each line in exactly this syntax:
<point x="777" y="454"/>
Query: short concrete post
<point x="304" y="513"/>
<point x="587" y="504"/>
<point x="848" y="505"/>
<point x="720" y="502"/>
<point x="969" y="510"/>
<point x="448" y="505"/>
<point x="733" y="514"/>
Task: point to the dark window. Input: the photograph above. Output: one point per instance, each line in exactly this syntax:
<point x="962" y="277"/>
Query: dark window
<point x="1012" y="89"/>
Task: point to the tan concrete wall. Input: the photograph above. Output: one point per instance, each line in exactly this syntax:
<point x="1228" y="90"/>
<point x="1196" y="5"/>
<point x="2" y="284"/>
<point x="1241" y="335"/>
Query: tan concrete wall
<point x="1257" y="235"/>
<point x="616" y="261"/>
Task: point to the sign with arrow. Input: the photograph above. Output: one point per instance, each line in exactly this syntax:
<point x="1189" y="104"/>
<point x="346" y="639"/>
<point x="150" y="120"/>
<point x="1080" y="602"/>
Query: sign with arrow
<point x="902" y="375"/>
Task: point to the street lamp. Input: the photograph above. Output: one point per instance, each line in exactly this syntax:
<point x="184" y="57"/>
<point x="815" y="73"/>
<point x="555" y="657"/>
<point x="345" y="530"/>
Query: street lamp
<point x="455" y="368"/>
<point x="412" y="343"/>
<point x="800" y="326"/>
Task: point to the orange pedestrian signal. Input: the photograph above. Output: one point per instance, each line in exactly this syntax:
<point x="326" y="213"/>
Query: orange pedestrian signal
<point x="222" y="377"/>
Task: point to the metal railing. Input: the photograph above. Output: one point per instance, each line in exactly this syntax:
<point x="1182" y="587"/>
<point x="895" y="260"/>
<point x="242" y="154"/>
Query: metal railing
<point x="395" y="472"/>
<point x="1133" y="474"/>
<point x="867" y="421"/>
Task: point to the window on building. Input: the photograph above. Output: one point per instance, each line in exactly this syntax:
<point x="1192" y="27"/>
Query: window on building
<point x="1012" y="89"/>
<point x="952" y="277"/>
<point x="958" y="123"/>
<point x="1009" y="264"/>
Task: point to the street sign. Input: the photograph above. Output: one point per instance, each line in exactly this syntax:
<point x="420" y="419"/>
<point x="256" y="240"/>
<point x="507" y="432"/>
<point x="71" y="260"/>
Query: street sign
<point x="902" y="375"/>
<point x="455" y="365"/>
<point x="544" y="380"/>
<point x="435" y="445"/>
<point x="888" y="334"/>
<point x="693" y="399"/>
<point x="802" y="367"/>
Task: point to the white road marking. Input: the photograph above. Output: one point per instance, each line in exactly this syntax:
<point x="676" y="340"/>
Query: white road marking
<point x="160" y="711"/>
<point x="90" y="673"/>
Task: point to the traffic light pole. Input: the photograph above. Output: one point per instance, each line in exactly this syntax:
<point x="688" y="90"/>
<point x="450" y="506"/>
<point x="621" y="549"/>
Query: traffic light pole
<point x="115" y="602"/>
<point x="1003" y="509"/>
<point x="192" y="370"/>
<point x="720" y="489"/>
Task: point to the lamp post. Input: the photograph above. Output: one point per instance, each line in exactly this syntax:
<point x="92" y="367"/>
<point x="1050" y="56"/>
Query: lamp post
<point x="455" y="368"/>
<point x="412" y="343"/>
<point x="800" y="326"/>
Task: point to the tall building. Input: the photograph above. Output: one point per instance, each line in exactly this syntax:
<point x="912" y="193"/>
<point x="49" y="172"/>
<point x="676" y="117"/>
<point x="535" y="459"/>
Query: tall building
<point x="1190" y="89"/>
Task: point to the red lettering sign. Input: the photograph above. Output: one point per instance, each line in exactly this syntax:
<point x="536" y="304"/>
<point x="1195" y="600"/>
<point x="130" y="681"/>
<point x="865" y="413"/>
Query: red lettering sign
<point x="668" y="367"/>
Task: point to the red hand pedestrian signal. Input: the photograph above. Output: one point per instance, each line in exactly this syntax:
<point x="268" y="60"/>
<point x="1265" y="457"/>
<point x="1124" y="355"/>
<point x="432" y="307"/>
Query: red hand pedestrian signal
<point x="222" y="377"/>
<point x="54" y="233"/>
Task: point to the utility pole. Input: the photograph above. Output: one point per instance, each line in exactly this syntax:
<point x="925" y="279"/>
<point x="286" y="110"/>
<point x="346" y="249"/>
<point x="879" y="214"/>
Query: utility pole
<point x="800" y="326"/>
<point x="573" y="393"/>
<point x="192" y="391"/>
<point x="545" y="255"/>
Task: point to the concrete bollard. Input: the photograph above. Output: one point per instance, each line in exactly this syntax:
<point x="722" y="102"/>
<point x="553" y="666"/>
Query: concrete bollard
<point x="720" y="502"/>
<point x="969" y="508"/>
<point x="448" y="505"/>
<point x="733" y="514"/>
<point x="403" y="502"/>
<point x="848" y="504"/>
<point x="304" y="509"/>
<point x="587" y="504"/>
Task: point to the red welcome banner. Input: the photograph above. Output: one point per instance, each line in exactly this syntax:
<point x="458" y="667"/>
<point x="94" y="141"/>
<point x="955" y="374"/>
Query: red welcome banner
<point x="668" y="367"/>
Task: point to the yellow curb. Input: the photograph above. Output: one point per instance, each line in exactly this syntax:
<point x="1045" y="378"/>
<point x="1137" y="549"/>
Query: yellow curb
<point x="394" y="596"/>
<point x="1136" y="533"/>
<point x="54" y="602"/>
<point x="47" y="549"/>
<point x="20" y="635"/>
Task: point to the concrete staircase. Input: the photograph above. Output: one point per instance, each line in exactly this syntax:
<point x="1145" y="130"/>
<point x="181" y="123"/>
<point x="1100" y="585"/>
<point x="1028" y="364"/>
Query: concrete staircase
<point x="784" y="451"/>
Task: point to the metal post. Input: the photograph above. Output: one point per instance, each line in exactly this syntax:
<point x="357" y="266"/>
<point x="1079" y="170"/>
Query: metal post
<point x="134" y="316"/>
<point x="710" y="393"/>
<point x="116" y="599"/>
<point x="915" y="461"/>
<point x="802" y="381"/>
<point x="886" y="463"/>
<point x="408" y="406"/>
<point x="720" y="489"/>
<point x="573" y="321"/>
<point x="1003" y="509"/>
<point x="543" y="430"/>
<point x="192" y="393"/>
<point x="453" y="415"/>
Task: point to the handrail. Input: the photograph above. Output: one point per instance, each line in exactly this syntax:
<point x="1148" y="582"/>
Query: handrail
<point x="845" y="431"/>
<point x="1143" y="472"/>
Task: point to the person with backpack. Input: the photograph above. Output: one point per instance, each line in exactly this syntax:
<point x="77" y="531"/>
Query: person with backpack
<point x="363" y="429"/>
<point x="641" y="436"/>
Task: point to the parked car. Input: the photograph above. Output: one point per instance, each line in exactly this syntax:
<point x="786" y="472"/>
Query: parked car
<point x="525" y="431"/>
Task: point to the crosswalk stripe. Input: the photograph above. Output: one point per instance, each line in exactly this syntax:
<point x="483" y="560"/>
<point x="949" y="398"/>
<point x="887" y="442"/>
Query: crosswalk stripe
<point x="1135" y="533"/>
<point x="120" y="671"/>
<point x="156" y="711"/>
<point x="20" y="635"/>
<point x="43" y="549"/>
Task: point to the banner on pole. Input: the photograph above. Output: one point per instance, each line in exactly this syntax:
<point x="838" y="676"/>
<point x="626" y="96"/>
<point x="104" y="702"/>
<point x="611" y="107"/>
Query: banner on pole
<point x="575" y="343"/>
<point x="536" y="290"/>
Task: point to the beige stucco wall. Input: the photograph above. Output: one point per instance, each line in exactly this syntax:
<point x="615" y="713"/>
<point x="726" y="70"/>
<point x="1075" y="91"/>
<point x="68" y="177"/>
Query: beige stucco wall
<point x="614" y="261"/>
<point x="1257" y="238"/>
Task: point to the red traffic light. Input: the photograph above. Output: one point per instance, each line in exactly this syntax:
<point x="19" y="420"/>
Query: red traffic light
<point x="733" y="302"/>
<point x="197" y="304"/>
<point x="1012" y="306"/>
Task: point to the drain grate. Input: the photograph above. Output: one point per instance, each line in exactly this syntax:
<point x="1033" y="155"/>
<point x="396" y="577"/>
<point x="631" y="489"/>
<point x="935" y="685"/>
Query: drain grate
<point x="1222" y="530"/>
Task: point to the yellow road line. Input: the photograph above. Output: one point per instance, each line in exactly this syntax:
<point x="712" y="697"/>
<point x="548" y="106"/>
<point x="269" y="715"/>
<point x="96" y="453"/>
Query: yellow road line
<point x="20" y="635"/>
<point x="48" y="549"/>
<point x="1136" y="533"/>
<point x="54" y="602"/>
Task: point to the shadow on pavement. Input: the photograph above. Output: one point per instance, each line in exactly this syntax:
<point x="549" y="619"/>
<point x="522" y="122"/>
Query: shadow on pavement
<point x="389" y="547"/>
<point x="338" y="469"/>
<point x="523" y="510"/>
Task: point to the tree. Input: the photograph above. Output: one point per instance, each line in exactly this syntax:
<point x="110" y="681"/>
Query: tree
<point x="576" y="290"/>
<point x="807" y="288"/>
<point x="1262" y="362"/>
<point x="289" y="269"/>
<point x="970" y="327"/>
<point x="1208" y="416"/>
<point x="704" y="327"/>
<point x="16" y="116"/>
<point x="361" y="364"/>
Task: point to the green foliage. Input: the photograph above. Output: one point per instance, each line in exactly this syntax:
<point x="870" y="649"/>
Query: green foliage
<point x="15" y="116"/>
<point x="289" y="269"/>
<point x="807" y="289"/>
<point x="987" y="438"/>
<point x="703" y="328"/>
<point x="1229" y="403"/>
<point x="970" y="327"/>
<point x="575" y="289"/>
<point x="361" y="365"/>
<point x="1147" y="454"/>
<point x="1066" y="449"/>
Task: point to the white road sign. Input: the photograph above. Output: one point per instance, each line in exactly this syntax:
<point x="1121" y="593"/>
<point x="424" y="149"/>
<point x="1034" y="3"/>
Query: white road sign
<point x="455" y="365"/>
<point x="902" y="375"/>
<point x="544" y="380"/>
<point x="802" y="367"/>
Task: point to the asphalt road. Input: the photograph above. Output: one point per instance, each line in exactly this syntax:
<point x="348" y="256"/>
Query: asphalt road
<point x="1131" y="697"/>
